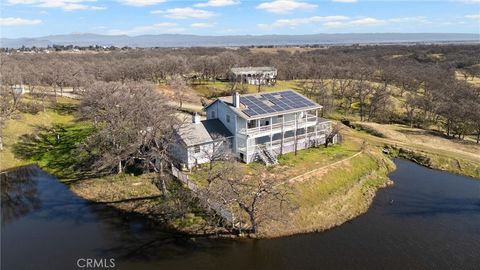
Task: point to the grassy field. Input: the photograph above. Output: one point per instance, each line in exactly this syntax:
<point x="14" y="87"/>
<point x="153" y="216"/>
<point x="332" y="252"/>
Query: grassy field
<point x="218" y="88"/>
<point x="138" y="194"/>
<point x="333" y="196"/>
<point x="290" y="165"/>
<point x="27" y="123"/>
<point x="457" y="156"/>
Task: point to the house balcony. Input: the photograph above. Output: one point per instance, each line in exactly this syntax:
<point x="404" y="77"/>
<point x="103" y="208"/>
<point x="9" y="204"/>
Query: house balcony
<point x="288" y="145"/>
<point x="303" y="122"/>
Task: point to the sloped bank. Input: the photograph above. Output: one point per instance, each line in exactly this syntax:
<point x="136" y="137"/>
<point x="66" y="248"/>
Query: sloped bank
<point x="435" y="161"/>
<point x="333" y="197"/>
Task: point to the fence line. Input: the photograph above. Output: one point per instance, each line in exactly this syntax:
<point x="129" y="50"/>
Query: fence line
<point x="214" y="205"/>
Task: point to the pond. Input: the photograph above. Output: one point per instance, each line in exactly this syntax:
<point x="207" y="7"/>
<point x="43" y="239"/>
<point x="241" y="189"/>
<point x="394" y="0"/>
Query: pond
<point x="427" y="220"/>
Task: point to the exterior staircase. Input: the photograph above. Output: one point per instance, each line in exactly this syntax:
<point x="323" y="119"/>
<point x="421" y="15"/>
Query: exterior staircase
<point x="266" y="156"/>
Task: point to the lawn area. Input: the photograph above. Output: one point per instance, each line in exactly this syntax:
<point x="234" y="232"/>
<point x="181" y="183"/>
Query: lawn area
<point x="138" y="194"/>
<point x="54" y="148"/>
<point x="333" y="196"/>
<point x="27" y="123"/>
<point x="290" y="165"/>
<point x="218" y="88"/>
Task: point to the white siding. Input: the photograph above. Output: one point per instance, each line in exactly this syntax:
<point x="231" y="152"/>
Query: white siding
<point x="201" y="157"/>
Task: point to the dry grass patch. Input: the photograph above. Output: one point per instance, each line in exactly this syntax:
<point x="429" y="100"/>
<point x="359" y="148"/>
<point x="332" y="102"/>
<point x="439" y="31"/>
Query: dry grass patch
<point x="126" y="192"/>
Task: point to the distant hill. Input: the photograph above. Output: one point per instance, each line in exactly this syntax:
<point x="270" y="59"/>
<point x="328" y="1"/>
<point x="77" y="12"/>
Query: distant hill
<point x="177" y="40"/>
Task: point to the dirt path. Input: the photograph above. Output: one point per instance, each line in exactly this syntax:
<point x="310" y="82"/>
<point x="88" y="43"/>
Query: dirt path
<point x="301" y="178"/>
<point x="436" y="147"/>
<point x="187" y="106"/>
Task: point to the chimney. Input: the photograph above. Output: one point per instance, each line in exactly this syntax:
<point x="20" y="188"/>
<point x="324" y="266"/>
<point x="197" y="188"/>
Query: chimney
<point x="196" y="118"/>
<point x="236" y="100"/>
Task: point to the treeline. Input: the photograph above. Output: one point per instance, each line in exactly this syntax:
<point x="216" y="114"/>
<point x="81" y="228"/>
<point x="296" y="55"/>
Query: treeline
<point x="430" y="81"/>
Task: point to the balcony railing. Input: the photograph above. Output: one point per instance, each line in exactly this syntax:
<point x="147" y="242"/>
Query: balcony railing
<point x="277" y="127"/>
<point x="276" y="144"/>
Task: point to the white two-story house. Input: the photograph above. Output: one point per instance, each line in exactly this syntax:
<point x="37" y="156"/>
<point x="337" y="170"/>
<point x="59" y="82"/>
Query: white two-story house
<point x="254" y="75"/>
<point x="256" y="126"/>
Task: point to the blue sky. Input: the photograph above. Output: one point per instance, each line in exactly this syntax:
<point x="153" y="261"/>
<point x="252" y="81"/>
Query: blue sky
<point x="33" y="18"/>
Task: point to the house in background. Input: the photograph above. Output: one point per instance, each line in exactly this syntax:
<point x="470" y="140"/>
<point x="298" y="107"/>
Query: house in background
<point x="254" y="75"/>
<point x="256" y="127"/>
<point x="18" y="89"/>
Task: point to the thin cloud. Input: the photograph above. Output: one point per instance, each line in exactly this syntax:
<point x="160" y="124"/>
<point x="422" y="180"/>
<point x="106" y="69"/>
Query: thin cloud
<point x="141" y="3"/>
<point x="285" y="6"/>
<point x="158" y="28"/>
<point x="184" y="13"/>
<point x="201" y="25"/>
<point x="218" y="3"/>
<point x="340" y="21"/>
<point x="303" y="21"/>
<point x="473" y="16"/>
<point x="18" y="21"/>
<point x="468" y="1"/>
<point x="369" y="21"/>
<point x="419" y="19"/>
<point x="67" y="5"/>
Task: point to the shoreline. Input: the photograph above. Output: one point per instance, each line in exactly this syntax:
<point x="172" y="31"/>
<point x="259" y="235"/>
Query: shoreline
<point x="360" y="194"/>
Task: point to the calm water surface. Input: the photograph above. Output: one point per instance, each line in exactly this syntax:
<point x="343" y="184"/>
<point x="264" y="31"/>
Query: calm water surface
<point x="428" y="220"/>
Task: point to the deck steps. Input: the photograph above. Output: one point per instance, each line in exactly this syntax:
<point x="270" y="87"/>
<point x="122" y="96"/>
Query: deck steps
<point x="266" y="156"/>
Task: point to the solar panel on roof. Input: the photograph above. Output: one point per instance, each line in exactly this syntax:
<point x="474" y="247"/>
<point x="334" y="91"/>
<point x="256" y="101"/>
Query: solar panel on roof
<point x="267" y="103"/>
<point x="249" y="112"/>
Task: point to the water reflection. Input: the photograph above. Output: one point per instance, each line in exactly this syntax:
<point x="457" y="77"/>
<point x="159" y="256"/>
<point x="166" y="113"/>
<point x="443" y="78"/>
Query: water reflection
<point x="19" y="193"/>
<point x="428" y="220"/>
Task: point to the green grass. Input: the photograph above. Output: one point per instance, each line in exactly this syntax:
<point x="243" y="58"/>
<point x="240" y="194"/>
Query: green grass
<point x="26" y="123"/>
<point x="218" y="88"/>
<point x="188" y="221"/>
<point x="53" y="148"/>
<point x="335" y="181"/>
<point x="333" y="196"/>
<point x="291" y="165"/>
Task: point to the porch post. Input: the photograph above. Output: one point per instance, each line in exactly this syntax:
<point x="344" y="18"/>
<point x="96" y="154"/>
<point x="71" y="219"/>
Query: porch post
<point x="295" y="134"/>
<point x="282" y="130"/>
<point x="305" y="129"/>
<point x="316" y="126"/>
<point x="271" y="131"/>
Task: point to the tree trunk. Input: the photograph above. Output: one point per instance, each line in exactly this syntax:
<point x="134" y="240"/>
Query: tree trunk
<point x="163" y="185"/>
<point x="119" y="166"/>
<point x="55" y="93"/>
<point x="253" y="221"/>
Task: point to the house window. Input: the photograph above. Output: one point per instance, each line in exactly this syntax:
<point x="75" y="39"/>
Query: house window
<point x="213" y="114"/>
<point x="228" y="118"/>
<point x="251" y="123"/>
<point x="196" y="149"/>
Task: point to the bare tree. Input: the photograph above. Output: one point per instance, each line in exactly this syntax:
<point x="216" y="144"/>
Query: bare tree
<point x="259" y="198"/>
<point x="179" y="86"/>
<point x="135" y="124"/>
